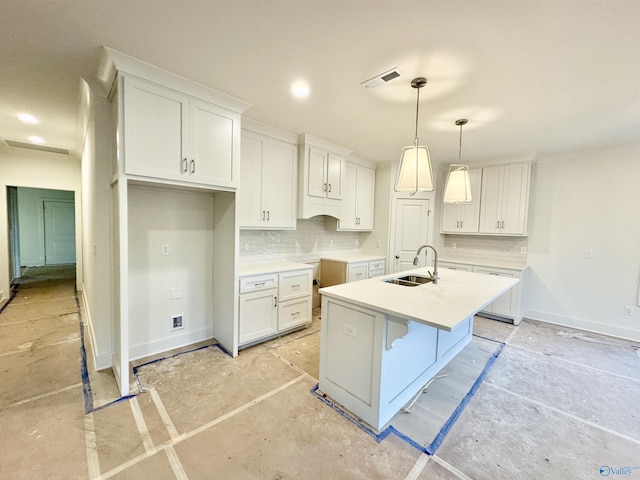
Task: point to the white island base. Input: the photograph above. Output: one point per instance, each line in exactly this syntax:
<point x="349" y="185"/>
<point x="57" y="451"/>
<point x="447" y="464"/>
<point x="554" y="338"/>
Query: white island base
<point x="380" y="343"/>
<point x="379" y="362"/>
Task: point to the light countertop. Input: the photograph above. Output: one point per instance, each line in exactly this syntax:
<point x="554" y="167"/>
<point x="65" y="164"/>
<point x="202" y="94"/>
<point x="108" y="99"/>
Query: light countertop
<point x="483" y="261"/>
<point x="354" y="257"/>
<point x="260" y="268"/>
<point x="455" y="297"/>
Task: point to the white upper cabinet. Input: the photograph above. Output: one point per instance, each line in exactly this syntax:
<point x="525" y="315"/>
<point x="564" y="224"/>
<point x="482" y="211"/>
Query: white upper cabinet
<point x="357" y="211"/>
<point x="321" y="174"/>
<point x="505" y="199"/>
<point x="173" y="136"/>
<point x="463" y="217"/>
<point x="267" y="192"/>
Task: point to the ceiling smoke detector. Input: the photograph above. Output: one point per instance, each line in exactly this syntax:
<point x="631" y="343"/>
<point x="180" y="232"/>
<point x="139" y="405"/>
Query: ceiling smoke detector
<point x="382" y="78"/>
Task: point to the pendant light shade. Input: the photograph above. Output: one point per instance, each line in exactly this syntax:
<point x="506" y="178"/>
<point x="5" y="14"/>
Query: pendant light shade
<point x="458" y="187"/>
<point x="414" y="172"/>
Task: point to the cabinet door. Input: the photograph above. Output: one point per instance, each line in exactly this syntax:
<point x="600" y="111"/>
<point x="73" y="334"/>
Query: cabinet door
<point x="357" y="271"/>
<point x="491" y="200"/>
<point x="449" y="222"/>
<point x="335" y="175"/>
<point x="294" y="313"/>
<point x="515" y="193"/>
<point x="349" y="205"/>
<point x="364" y="198"/>
<point x="213" y="155"/>
<point x="317" y="186"/>
<point x="469" y="213"/>
<point x="279" y="176"/>
<point x="154" y="120"/>
<point x="249" y="195"/>
<point x="257" y="315"/>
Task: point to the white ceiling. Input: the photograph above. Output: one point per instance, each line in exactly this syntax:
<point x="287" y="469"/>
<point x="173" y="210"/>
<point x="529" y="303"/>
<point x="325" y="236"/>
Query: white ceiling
<point x="532" y="76"/>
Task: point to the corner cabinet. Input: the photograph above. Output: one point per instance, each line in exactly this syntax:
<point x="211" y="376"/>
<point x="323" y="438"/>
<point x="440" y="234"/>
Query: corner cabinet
<point x="350" y="268"/>
<point x="505" y="199"/>
<point x="274" y="299"/>
<point x="463" y="217"/>
<point x="169" y="135"/>
<point x="321" y="177"/>
<point x="357" y="211"/>
<point x="267" y="193"/>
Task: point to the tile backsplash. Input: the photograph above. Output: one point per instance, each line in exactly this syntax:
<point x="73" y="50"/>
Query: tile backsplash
<point x="313" y="238"/>
<point x="507" y="249"/>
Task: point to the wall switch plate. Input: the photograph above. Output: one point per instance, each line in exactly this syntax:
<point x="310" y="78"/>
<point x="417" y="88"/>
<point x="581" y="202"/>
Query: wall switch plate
<point x="350" y="330"/>
<point x="357" y="242"/>
<point x="175" y="293"/>
<point x="628" y="310"/>
<point x="588" y="254"/>
<point x="379" y="243"/>
<point x="177" y="322"/>
<point x="523" y="250"/>
<point x="331" y="243"/>
<point x="164" y="250"/>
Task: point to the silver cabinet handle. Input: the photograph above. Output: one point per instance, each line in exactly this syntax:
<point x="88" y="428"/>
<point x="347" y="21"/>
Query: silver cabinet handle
<point x="502" y="224"/>
<point x="268" y="215"/>
<point x="192" y="165"/>
<point x="263" y="215"/>
<point x="295" y="313"/>
<point x="461" y="223"/>
<point x="324" y="188"/>
<point x="329" y="187"/>
<point x="297" y="285"/>
<point x="261" y="284"/>
<point x="275" y="301"/>
<point x="498" y="224"/>
<point x="184" y="165"/>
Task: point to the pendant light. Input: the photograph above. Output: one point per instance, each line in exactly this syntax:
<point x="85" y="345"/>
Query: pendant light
<point x="414" y="171"/>
<point x="458" y="188"/>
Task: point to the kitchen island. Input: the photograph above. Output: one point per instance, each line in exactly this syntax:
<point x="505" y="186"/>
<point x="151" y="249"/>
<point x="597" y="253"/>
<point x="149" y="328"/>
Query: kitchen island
<point x="382" y="342"/>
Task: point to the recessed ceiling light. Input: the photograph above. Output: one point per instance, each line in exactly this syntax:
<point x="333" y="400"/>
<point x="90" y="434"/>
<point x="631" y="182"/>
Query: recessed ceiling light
<point x="300" y="90"/>
<point x="28" y="118"/>
<point x="35" y="139"/>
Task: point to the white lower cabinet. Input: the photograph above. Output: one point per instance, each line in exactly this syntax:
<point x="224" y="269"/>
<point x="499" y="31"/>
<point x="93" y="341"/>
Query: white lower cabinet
<point x="508" y="306"/>
<point x="271" y="303"/>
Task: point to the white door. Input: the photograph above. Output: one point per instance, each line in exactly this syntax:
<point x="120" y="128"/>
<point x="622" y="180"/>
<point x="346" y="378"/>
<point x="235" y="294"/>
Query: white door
<point x="410" y="232"/>
<point x="59" y="233"/>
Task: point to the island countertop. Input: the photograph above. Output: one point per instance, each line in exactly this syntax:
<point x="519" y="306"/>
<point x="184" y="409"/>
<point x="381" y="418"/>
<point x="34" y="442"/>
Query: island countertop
<point x="455" y="297"/>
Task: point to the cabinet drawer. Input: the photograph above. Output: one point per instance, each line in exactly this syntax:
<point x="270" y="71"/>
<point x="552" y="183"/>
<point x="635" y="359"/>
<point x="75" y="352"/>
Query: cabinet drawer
<point x="294" y="313"/>
<point x="376" y="273"/>
<point x="357" y="271"/>
<point x="376" y="265"/>
<point x="294" y="284"/>
<point x="256" y="283"/>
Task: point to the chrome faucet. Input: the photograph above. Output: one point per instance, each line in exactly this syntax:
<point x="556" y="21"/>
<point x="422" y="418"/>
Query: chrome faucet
<point x="434" y="276"/>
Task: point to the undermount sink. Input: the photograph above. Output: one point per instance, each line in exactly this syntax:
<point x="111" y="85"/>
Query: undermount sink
<point x="409" y="280"/>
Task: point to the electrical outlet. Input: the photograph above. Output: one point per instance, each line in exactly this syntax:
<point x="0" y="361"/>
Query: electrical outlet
<point x="454" y="245"/>
<point x="523" y="250"/>
<point x="588" y="254"/>
<point x="379" y="243"/>
<point x="331" y="243"/>
<point x="357" y="242"/>
<point x="628" y="310"/>
<point x="350" y="330"/>
<point x="164" y="250"/>
<point x="245" y="247"/>
<point x="177" y="322"/>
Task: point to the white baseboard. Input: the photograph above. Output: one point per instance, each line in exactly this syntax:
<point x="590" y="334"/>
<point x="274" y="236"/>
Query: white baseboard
<point x="176" y="340"/>
<point x="101" y="360"/>
<point x="584" y="324"/>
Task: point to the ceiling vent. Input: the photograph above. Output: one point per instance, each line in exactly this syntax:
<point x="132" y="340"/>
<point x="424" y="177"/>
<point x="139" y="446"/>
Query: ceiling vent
<point x="34" y="146"/>
<point x="382" y="78"/>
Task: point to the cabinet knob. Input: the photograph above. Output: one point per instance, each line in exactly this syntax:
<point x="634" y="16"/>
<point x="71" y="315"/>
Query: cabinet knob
<point x="397" y="257"/>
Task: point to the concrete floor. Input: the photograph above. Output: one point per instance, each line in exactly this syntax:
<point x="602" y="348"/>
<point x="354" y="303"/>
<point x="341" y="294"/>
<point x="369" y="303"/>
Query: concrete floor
<point x="556" y="404"/>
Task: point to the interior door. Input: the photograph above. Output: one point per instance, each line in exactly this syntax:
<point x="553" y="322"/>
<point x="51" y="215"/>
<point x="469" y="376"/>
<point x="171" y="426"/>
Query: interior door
<point x="411" y="230"/>
<point x="59" y="232"/>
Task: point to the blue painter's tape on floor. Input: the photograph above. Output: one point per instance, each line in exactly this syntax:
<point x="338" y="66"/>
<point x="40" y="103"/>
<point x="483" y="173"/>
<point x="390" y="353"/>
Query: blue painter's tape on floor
<point x="431" y="449"/>
<point x="84" y="372"/>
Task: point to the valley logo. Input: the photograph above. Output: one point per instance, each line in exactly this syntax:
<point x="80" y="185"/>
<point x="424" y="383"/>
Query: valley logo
<point x="606" y="470"/>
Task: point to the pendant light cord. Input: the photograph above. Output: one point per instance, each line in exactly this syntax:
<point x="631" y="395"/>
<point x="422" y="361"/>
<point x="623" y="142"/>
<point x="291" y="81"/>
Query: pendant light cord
<point x="417" y="111"/>
<point x="460" y="145"/>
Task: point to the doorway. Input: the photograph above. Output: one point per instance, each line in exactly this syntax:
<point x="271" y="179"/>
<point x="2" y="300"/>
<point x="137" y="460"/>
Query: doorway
<point x="410" y="231"/>
<point x="42" y="236"/>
